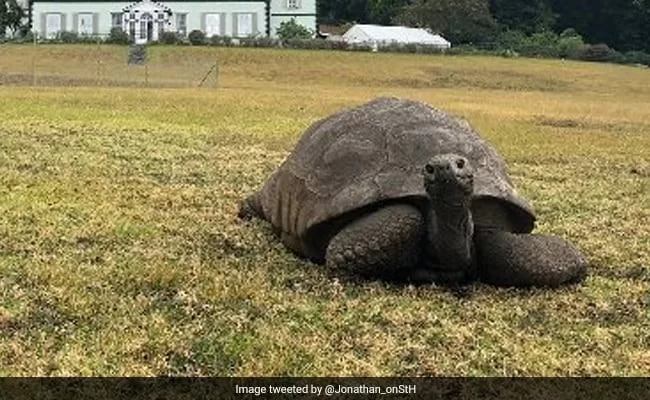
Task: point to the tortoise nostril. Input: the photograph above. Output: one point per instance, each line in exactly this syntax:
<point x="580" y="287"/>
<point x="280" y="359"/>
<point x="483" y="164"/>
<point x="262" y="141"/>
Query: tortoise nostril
<point x="460" y="163"/>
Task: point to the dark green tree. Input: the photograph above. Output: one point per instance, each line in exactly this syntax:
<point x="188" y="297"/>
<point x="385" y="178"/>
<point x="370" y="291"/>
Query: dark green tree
<point x="622" y="24"/>
<point x="3" y="18"/>
<point x="528" y="16"/>
<point x="11" y="16"/>
<point x="382" y="12"/>
<point x="340" y="11"/>
<point x="459" y="21"/>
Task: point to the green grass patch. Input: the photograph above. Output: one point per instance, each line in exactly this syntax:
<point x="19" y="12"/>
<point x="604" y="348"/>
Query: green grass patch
<point x="121" y="253"/>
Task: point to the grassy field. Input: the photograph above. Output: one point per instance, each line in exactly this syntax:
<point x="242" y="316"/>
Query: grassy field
<point x="121" y="253"/>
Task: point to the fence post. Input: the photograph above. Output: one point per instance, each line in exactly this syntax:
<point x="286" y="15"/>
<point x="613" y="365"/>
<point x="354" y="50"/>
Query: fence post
<point x="99" y="62"/>
<point x="216" y="73"/>
<point x="34" y="58"/>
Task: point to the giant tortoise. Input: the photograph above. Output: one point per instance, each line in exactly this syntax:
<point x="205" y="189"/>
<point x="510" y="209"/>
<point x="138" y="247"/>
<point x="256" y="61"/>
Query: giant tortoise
<point x="396" y="189"/>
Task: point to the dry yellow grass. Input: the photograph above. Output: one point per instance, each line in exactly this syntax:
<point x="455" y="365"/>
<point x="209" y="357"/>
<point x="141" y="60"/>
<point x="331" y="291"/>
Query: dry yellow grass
<point x="120" y="252"/>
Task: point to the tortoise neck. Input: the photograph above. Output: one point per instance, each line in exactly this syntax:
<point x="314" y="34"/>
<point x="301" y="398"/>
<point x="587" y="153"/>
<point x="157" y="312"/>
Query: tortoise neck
<point x="450" y="233"/>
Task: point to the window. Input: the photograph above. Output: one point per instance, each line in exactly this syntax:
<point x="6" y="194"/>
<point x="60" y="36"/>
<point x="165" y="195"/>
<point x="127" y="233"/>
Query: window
<point x="143" y="29"/>
<point x="52" y="25"/>
<point x="161" y="24"/>
<point x="116" y="20"/>
<point x="244" y="24"/>
<point x="85" y="24"/>
<point x="212" y="25"/>
<point x="293" y="4"/>
<point x="146" y="23"/>
<point x="132" y="28"/>
<point x="181" y="24"/>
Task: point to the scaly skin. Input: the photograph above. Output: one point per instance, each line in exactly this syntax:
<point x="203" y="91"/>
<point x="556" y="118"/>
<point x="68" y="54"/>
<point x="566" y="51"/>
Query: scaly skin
<point x="380" y="244"/>
<point x="510" y="259"/>
<point x="398" y="242"/>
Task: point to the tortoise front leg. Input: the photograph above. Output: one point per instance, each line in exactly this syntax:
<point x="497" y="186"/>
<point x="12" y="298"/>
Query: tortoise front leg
<point x="509" y="259"/>
<point x="381" y="244"/>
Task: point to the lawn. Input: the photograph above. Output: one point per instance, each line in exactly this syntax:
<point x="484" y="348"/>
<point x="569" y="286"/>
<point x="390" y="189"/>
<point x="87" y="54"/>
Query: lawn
<point x="121" y="253"/>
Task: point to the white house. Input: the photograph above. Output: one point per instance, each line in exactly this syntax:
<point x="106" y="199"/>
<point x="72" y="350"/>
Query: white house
<point x="145" y="20"/>
<point x="302" y="11"/>
<point x="377" y="35"/>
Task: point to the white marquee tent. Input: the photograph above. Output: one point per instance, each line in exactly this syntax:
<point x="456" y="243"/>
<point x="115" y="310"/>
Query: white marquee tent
<point x="377" y="35"/>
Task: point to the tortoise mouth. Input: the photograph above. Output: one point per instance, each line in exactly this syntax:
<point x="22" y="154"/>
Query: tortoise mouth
<point x="449" y="177"/>
<point x="457" y="191"/>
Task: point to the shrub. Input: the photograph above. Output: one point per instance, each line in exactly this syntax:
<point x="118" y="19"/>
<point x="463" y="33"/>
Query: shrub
<point x="391" y="48"/>
<point x="217" y="40"/>
<point x="262" y="41"/>
<point x="24" y="36"/>
<point x="67" y="37"/>
<point x="310" y="44"/>
<point x="246" y="42"/>
<point x="360" y="47"/>
<point x="511" y="40"/>
<point x="546" y="43"/>
<point x="410" y="48"/>
<point x="464" y="49"/>
<point x="637" y="57"/>
<point x="541" y="44"/>
<point x="28" y="37"/>
<point x="570" y="43"/>
<point x="507" y="53"/>
<point x="118" y="36"/>
<point x="337" y="44"/>
<point x="293" y="30"/>
<point x="429" y="49"/>
<point x="197" y="37"/>
<point x="570" y="47"/>
<point x="597" y="52"/>
<point x="293" y="43"/>
<point x="169" y="38"/>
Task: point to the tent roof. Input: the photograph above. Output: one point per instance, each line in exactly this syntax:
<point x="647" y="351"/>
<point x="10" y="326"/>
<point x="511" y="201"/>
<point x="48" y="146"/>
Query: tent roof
<point x="399" y="34"/>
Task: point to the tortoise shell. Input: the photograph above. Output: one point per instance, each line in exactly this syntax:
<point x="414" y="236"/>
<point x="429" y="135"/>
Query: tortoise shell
<point x="371" y="154"/>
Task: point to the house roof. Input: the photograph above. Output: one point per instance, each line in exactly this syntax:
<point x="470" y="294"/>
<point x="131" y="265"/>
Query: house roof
<point x="399" y="34"/>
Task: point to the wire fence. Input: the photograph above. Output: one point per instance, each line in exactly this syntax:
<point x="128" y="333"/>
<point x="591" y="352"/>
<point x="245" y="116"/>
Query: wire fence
<point x="103" y="65"/>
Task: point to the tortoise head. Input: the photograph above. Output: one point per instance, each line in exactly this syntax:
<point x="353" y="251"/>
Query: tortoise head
<point x="449" y="178"/>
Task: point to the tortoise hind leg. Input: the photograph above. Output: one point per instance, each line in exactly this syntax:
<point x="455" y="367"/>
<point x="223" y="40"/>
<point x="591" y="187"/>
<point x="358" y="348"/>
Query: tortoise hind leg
<point x="379" y="244"/>
<point x="509" y="259"/>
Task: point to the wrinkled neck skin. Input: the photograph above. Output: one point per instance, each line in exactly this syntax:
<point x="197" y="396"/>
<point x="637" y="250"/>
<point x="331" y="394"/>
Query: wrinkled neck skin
<point x="450" y="229"/>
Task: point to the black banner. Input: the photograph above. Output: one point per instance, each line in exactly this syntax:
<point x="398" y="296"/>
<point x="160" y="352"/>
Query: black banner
<point x="325" y="388"/>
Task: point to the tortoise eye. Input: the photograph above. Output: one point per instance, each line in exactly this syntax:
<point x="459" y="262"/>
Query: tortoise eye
<point x="429" y="168"/>
<point x="460" y="163"/>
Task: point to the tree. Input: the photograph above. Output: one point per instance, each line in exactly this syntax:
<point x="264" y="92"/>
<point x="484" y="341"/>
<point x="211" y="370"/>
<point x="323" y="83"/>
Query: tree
<point x="528" y="16"/>
<point x="339" y="11"/>
<point x="3" y="18"/>
<point x="383" y="12"/>
<point x="459" y="21"/>
<point x="11" y="16"/>
<point x="622" y="24"/>
<point x="293" y="30"/>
